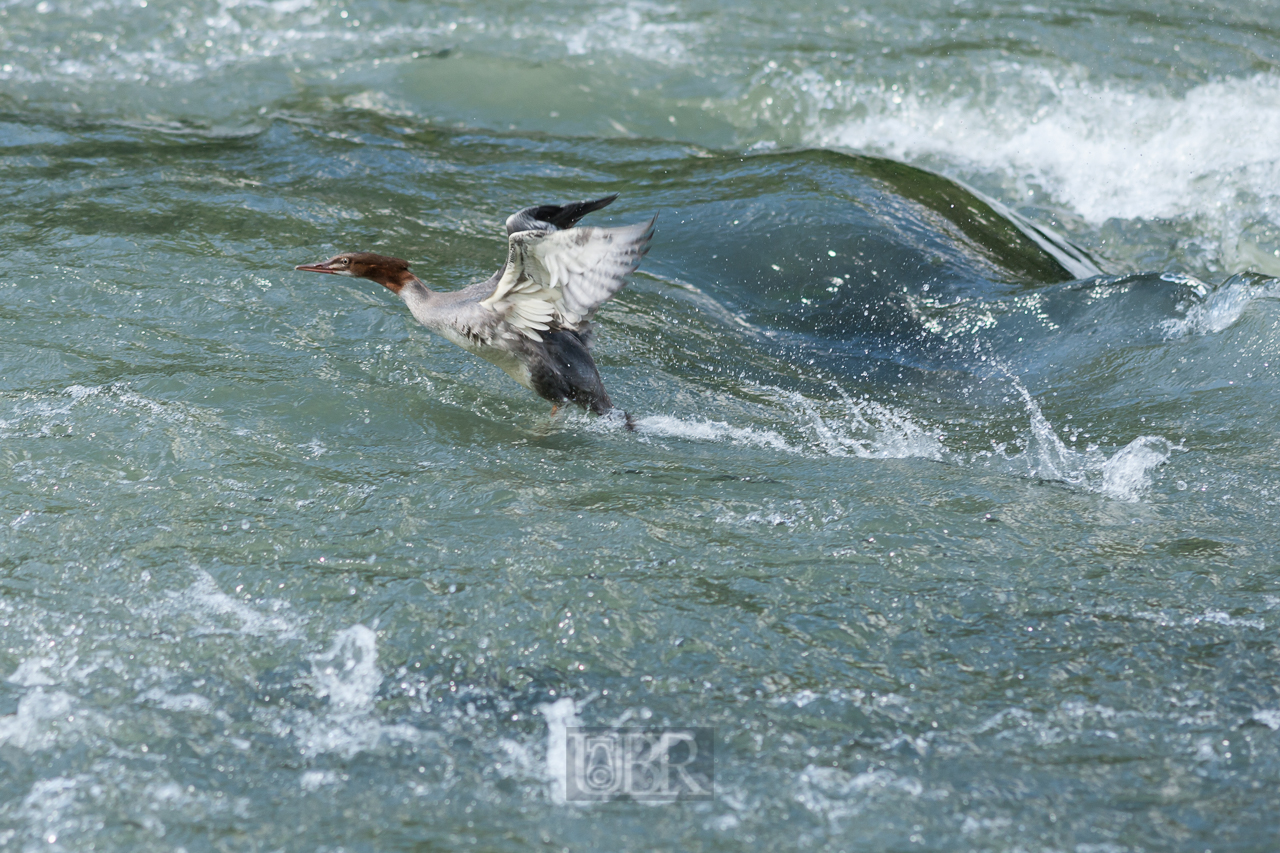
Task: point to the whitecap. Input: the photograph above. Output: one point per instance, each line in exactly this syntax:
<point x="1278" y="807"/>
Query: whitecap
<point x="1189" y="155"/>
<point x="186" y="703"/>
<point x="641" y="29"/>
<point x="313" y="780"/>
<point x="1219" y="617"/>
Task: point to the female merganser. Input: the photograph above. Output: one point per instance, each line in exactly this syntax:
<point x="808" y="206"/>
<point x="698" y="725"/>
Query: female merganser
<point x="532" y="317"/>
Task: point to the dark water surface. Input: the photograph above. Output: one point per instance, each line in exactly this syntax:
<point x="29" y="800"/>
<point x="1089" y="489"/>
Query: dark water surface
<point x="952" y="505"/>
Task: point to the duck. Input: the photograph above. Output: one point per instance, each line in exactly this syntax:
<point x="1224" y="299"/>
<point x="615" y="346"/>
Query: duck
<point x="531" y="318"/>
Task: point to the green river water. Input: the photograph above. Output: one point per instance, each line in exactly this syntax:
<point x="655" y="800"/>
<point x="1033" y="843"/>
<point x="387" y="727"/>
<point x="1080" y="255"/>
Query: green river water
<point x="952" y="501"/>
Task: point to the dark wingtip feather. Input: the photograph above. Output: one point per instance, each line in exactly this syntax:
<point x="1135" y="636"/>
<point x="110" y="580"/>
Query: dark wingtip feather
<point x="646" y="239"/>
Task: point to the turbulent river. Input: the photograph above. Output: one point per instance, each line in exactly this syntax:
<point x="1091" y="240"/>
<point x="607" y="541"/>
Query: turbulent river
<point x="952" y="504"/>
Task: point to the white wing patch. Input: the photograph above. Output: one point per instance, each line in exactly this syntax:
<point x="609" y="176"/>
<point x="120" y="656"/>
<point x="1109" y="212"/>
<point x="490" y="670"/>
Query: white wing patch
<point x="560" y="278"/>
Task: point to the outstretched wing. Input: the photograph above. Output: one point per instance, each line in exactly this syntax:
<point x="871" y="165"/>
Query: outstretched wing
<point x="557" y="279"/>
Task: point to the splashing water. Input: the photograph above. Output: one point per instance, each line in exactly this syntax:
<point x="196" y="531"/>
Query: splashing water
<point x="348" y="672"/>
<point x="173" y="396"/>
<point x="669" y="426"/>
<point x="1223" y="306"/>
<point x="867" y="429"/>
<point x="1125" y="475"/>
<point x="860" y="428"/>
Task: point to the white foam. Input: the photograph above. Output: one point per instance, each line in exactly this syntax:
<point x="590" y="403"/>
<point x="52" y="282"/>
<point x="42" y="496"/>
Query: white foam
<point x="204" y="599"/>
<point x="40" y="412"/>
<point x="559" y="715"/>
<point x="1220" y="617"/>
<point x="31" y="672"/>
<point x="804" y="697"/>
<point x="1105" y="150"/>
<point x="32" y="727"/>
<point x="767" y="519"/>
<point x="641" y="29"/>
<point x="1208" y="617"/>
<point x="37" y="412"/>
<point x="669" y="426"/>
<point x="835" y="794"/>
<point x="845" y="427"/>
<point x="1008" y="718"/>
<point x="187" y="703"/>
<point x="974" y="824"/>
<point x="46" y="807"/>
<point x="347" y="674"/>
<point x="520" y="760"/>
<point x="1269" y="718"/>
<point x="79" y="392"/>
<point x="313" y="780"/>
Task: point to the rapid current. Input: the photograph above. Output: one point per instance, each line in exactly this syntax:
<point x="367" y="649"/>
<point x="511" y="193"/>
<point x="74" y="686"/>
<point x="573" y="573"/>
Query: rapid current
<point x="952" y="503"/>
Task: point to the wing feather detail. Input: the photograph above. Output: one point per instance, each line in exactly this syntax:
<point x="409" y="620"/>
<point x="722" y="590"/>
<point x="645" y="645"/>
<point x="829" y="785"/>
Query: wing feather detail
<point x="557" y="279"/>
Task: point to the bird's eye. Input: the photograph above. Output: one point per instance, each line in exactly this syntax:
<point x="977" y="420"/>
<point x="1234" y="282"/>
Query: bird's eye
<point x="346" y="262"/>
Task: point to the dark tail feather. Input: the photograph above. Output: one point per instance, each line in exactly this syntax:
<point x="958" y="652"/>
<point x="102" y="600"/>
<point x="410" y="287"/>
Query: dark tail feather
<point x="568" y="215"/>
<point x="560" y="216"/>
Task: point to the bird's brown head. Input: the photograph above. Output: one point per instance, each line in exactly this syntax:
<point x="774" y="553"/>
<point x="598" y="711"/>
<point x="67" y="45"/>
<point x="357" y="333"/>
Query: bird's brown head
<point x="391" y="273"/>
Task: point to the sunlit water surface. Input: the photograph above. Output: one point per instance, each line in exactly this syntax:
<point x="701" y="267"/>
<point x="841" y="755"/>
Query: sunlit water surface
<point x="952" y="502"/>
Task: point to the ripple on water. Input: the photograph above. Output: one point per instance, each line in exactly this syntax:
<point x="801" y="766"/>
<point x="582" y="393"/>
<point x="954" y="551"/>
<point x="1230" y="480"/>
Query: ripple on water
<point x="899" y="516"/>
